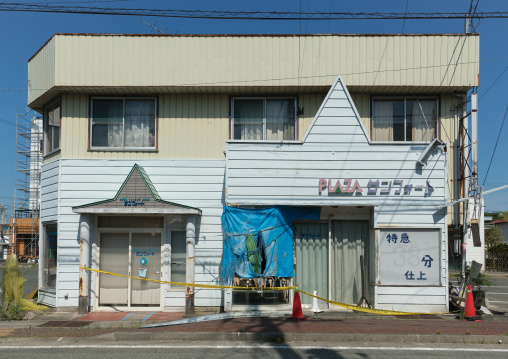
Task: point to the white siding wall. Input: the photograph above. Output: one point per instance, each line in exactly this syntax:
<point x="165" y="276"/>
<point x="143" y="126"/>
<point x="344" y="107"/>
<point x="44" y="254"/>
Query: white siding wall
<point x="196" y="183"/>
<point x="50" y="174"/>
<point x="336" y="147"/>
<point x="49" y="191"/>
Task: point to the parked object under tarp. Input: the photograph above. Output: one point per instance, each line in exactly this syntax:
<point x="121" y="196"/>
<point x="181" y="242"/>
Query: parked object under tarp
<point x="259" y="242"/>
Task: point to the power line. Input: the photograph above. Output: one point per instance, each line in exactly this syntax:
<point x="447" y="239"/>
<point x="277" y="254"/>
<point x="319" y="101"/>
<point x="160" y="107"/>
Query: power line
<point x="501" y="74"/>
<point x="405" y="12"/>
<point x="302" y="77"/>
<point x="473" y="28"/>
<point x="7" y="122"/>
<point x="343" y="74"/>
<point x="495" y="147"/>
<point x="247" y="15"/>
<point x="328" y="26"/>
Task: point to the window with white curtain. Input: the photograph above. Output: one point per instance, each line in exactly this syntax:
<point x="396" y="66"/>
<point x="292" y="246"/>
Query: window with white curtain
<point x="404" y="119"/>
<point x="123" y="123"/>
<point x="263" y="119"/>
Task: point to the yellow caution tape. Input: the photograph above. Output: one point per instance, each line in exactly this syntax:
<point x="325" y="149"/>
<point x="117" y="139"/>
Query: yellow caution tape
<point x="363" y="309"/>
<point x="210" y="286"/>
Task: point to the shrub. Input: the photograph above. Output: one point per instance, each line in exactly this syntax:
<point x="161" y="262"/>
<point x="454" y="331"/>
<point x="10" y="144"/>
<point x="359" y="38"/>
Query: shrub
<point x="13" y="312"/>
<point x="503" y="247"/>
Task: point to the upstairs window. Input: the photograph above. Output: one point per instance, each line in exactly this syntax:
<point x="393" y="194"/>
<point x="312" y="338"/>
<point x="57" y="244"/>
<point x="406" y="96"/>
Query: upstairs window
<point x="256" y="119"/>
<point x="404" y="119"/>
<point x="52" y="119"/>
<point x="123" y="124"/>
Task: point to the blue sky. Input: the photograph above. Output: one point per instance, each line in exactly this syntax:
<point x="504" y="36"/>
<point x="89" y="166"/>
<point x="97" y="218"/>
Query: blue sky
<point x="22" y="34"/>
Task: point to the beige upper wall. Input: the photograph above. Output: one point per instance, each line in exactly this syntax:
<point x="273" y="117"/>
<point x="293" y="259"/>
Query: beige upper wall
<point x="162" y="64"/>
<point x="197" y="127"/>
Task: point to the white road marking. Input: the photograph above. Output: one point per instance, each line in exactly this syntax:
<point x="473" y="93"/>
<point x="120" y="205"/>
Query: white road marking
<point x="254" y="346"/>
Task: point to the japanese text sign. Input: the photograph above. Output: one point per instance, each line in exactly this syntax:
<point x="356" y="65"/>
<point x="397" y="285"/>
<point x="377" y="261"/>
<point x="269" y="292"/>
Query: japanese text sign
<point x="409" y="257"/>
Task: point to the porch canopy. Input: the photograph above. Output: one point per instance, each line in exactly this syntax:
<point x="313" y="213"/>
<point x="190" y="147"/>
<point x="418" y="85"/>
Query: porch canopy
<point x="137" y="195"/>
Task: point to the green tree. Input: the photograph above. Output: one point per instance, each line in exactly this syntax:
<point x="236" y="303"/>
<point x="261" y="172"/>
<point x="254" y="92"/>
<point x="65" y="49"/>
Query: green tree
<point x="493" y="236"/>
<point x="496" y="216"/>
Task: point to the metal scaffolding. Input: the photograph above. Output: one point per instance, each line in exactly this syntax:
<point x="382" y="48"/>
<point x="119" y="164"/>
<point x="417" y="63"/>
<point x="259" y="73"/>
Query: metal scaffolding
<point x="25" y="222"/>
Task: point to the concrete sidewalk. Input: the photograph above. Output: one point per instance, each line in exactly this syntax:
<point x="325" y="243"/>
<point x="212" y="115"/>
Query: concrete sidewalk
<point x="330" y="326"/>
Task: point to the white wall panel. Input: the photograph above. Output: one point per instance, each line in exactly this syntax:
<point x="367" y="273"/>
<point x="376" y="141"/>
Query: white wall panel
<point x="333" y="149"/>
<point x="49" y="191"/>
<point x="85" y="181"/>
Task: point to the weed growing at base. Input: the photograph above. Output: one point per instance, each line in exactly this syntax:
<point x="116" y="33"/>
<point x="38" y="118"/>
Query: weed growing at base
<point x="13" y="312"/>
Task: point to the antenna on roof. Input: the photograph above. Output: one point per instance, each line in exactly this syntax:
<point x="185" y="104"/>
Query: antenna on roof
<point x="159" y="31"/>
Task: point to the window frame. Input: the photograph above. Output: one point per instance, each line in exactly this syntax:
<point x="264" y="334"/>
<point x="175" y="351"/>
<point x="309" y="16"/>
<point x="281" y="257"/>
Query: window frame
<point x="123" y="148"/>
<point x="405" y="98"/>
<point x="44" y="264"/>
<point x="264" y="98"/>
<point x="45" y="126"/>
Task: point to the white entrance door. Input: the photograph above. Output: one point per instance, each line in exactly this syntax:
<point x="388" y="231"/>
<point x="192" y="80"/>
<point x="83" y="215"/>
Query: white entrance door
<point x="145" y="263"/>
<point x="137" y="254"/>
<point x="114" y="258"/>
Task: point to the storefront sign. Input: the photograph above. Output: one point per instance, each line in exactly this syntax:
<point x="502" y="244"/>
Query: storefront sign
<point x="134" y="201"/>
<point x="374" y="187"/>
<point x="409" y="257"/>
<point x="145" y="252"/>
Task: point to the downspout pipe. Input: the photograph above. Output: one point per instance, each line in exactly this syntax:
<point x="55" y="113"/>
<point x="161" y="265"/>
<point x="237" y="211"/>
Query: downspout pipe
<point x="85" y="225"/>
<point x="190" y="239"/>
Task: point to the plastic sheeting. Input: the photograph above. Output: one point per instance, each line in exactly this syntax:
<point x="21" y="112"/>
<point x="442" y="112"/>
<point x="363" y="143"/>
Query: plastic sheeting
<point x="271" y="229"/>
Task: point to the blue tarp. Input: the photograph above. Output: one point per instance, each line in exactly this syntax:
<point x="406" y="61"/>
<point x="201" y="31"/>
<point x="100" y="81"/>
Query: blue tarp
<point x="272" y="229"/>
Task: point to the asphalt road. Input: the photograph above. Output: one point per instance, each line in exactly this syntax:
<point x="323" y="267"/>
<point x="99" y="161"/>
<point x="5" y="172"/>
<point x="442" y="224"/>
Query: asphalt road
<point x="498" y="293"/>
<point x="249" y="351"/>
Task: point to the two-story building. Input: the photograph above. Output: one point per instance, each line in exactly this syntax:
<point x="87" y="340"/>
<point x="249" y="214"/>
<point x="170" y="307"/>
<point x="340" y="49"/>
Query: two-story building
<point x="317" y="160"/>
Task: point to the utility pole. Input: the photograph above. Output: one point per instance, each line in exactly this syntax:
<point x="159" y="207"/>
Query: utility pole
<point x="467" y="22"/>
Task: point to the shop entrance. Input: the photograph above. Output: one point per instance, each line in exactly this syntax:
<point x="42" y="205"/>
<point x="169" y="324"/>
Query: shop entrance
<point x="132" y="253"/>
<point x="328" y="259"/>
<point x="312" y="253"/>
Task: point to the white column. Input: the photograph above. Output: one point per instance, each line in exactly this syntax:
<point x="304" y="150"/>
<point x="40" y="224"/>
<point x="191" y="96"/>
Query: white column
<point x="190" y="238"/>
<point x="85" y="239"/>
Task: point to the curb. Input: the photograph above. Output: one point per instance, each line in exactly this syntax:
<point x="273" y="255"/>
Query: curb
<point x="280" y="338"/>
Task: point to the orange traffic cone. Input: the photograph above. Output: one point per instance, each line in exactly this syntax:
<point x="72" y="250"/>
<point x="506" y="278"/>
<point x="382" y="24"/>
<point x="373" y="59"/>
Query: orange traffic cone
<point x="297" y="308"/>
<point x="470" y="313"/>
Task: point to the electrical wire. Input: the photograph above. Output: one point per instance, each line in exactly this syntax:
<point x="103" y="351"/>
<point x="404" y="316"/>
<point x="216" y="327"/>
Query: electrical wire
<point x="295" y="77"/>
<point x="497" y="78"/>
<point x="292" y="78"/>
<point x="473" y="28"/>
<point x="7" y="122"/>
<point x="328" y="26"/>
<point x="405" y="12"/>
<point x="495" y="147"/>
<point x="245" y="15"/>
